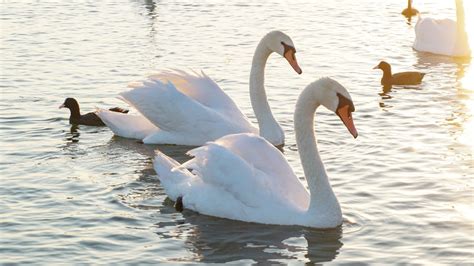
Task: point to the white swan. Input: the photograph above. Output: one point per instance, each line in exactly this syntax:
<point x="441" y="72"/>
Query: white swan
<point x="243" y="177"/>
<point x="443" y="36"/>
<point x="179" y="108"/>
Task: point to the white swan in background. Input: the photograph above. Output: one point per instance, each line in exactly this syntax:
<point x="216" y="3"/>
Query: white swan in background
<point x="190" y="109"/>
<point x="443" y="36"/>
<point x="244" y="177"/>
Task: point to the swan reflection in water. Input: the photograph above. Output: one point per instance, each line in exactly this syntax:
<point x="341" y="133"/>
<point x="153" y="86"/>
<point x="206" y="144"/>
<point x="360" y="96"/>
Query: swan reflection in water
<point x="464" y="110"/>
<point x="216" y="240"/>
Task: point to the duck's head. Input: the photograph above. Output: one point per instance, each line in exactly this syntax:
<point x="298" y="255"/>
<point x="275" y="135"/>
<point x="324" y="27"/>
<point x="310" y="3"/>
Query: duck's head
<point x="282" y="44"/>
<point x="71" y="104"/>
<point x="383" y="65"/>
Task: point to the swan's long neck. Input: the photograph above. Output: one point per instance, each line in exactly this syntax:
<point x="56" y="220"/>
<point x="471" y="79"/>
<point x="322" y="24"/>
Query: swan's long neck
<point x="461" y="47"/>
<point x="460" y="15"/>
<point x="409" y="4"/>
<point x="268" y="126"/>
<point x="323" y="200"/>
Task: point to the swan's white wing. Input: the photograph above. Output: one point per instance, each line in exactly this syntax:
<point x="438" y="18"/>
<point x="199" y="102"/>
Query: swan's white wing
<point x="205" y="198"/>
<point x="202" y="89"/>
<point x="262" y="155"/>
<point x="127" y="125"/>
<point x="176" y="113"/>
<point x="226" y="185"/>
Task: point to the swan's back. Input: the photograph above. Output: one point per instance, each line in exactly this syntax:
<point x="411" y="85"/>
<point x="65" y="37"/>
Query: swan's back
<point x="436" y="36"/>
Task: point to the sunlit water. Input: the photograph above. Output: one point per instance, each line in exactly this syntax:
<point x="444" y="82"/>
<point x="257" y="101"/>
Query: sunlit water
<point x="82" y="195"/>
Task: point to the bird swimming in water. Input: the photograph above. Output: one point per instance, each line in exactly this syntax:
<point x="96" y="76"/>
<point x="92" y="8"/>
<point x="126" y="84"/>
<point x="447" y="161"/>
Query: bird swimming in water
<point x="89" y="119"/>
<point x="401" y="78"/>
<point x="410" y="11"/>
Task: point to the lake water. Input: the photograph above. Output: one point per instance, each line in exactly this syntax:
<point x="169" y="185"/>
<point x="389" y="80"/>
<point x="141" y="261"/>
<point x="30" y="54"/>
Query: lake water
<point x="80" y="195"/>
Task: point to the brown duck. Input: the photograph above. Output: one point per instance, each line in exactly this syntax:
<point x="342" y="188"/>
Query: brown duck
<point x="410" y="11"/>
<point x="402" y="78"/>
<point x="89" y="119"/>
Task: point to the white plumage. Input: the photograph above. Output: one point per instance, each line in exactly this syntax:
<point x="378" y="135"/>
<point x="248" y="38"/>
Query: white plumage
<point x="244" y="177"/>
<point x="184" y="109"/>
<point x="176" y="107"/>
<point x="443" y="36"/>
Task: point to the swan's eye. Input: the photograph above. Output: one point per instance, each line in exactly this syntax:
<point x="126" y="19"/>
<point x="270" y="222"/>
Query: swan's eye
<point x="343" y="101"/>
<point x="288" y="48"/>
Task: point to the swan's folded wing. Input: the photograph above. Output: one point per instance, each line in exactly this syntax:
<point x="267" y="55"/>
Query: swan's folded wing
<point x="216" y="166"/>
<point x="202" y="193"/>
<point x="127" y="125"/>
<point x="166" y="107"/>
<point x="251" y="168"/>
<point x="262" y="155"/>
<point x="203" y="89"/>
<point x="174" y="112"/>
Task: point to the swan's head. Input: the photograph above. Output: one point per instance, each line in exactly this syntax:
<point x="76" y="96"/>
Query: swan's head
<point x="282" y="44"/>
<point x="383" y="65"/>
<point x="332" y="95"/>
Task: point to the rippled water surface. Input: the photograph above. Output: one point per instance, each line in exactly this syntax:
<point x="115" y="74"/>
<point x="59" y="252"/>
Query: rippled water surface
<point x="78" y="194"/>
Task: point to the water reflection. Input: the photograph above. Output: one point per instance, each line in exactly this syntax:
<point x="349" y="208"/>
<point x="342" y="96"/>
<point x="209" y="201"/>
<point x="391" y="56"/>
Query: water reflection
<point x="151" y="12"/>
<point x="465" y="108"/>
<point x="408" y="20"/>
<point x="150" y="5"/>
<point x="215" y="240"/>
<point x="131" y="145"/>
<point x="467" y="77"/>
<point x="385" y="94"/>
<point x="73" y="135"/>
<point x="428" y="60"/>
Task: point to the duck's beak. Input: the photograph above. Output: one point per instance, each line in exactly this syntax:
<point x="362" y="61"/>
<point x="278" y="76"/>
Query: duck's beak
<point x="376" y="67"/>
<point x="291" y="58"/>
<point x="346" y="116"/>
<point x="62" y="106"/>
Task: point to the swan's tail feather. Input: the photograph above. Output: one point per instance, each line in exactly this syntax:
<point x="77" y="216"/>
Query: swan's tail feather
<point x="172" y="177"/>
<point x="125" y="125"/>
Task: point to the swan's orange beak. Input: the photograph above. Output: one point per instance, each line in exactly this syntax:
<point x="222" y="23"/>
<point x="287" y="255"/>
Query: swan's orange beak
<point x="345" y="114"/>
<point x="290" y="57"/>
